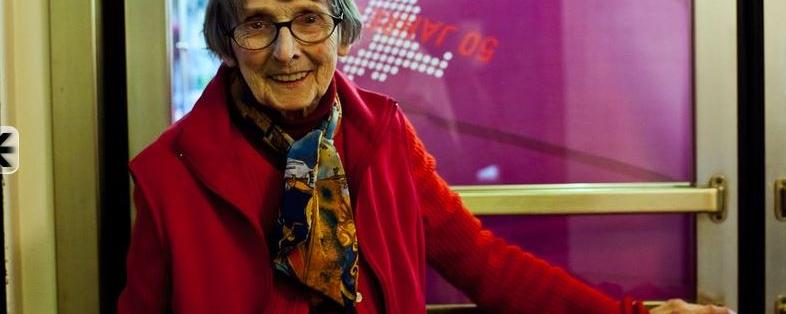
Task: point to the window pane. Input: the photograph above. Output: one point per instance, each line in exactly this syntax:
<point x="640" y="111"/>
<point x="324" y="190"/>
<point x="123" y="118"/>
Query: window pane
<point x="192" y="64"/>
<point x="646" y="256"/>
<point x="528" y="91"/>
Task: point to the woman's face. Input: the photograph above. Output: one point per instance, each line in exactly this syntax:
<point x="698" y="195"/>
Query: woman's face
<point x="289" y="76"/>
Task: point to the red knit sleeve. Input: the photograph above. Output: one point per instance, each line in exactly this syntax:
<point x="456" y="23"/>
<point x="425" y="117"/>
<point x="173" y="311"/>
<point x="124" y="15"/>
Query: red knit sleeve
<point x="499" y="277"/>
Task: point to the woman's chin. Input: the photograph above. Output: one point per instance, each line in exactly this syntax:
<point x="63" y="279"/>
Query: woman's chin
<point x="290" y="111"/>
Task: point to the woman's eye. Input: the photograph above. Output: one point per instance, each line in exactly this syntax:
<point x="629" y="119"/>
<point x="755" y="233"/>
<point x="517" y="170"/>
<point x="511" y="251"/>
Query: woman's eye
<point x="311" y="18"/>
<point x="255" y="26"/>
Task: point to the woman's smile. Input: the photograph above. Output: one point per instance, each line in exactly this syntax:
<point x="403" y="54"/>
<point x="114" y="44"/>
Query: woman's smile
<point x="289" y="77"/>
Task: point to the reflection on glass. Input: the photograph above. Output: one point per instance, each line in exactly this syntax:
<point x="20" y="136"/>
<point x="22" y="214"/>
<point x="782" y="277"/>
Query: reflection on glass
<point x="529" y="91"/>
<point x="192" y="64"/>
<point x="645" y="256"/>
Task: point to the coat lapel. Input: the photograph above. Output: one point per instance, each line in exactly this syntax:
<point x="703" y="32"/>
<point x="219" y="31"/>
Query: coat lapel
<point x="361" y="127"/>
<point x="213" y="150"/>
<point x="366" y="117"/>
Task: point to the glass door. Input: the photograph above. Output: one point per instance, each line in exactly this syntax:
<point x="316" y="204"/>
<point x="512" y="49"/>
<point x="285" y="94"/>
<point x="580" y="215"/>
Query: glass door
<point x="597" y="134"/>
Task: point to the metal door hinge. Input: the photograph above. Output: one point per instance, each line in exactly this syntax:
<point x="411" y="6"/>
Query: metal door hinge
<point x="780" y="305"/>
<point x="720" y="184"/>
<point x="780" y="199"/>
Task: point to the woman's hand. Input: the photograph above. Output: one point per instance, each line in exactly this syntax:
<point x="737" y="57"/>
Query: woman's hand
<point x="677" y="306"/>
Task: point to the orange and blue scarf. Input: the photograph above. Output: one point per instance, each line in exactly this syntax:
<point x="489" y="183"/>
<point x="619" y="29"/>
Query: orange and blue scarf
<point x="314" y="239"/>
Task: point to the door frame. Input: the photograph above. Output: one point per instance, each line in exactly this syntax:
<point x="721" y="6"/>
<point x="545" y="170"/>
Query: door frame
<point x="775" y="150"/>
<point x="715" y="65"/>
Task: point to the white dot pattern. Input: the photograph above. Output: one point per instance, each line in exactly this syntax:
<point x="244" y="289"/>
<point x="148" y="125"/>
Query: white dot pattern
<point x="387" y="55"/>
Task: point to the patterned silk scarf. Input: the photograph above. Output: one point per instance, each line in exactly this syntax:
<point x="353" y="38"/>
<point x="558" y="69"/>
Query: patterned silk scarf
<point x="314" y="236"/>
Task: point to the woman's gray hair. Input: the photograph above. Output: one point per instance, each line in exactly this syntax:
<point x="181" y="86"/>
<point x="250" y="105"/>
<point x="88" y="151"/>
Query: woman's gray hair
<point x="222" y="15"/>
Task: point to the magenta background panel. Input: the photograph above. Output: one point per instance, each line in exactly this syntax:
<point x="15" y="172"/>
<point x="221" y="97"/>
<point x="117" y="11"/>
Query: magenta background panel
<point x="649" y="257"/>
<point x="531" y="91"/>
<point x="553" y="91"/>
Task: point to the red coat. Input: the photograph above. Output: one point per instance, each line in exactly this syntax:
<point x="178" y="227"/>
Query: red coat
<point x="199" y="244"/>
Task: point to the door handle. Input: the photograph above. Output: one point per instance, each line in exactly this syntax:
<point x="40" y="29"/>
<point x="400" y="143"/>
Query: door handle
<point x="780" y="305"/>
<point x="593" y="199"/>
<point x="780" y="200"/>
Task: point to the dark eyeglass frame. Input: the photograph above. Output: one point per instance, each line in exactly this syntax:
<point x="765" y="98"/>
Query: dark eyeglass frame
<point x="288" y="24"/>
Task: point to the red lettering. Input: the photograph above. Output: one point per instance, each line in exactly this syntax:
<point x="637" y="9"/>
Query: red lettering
<point x="412" y="28"/>
<point x="375" y="21"/>
<point x="381" y="20"/>
<point x="389" y="23"/>
<point x="429" y="29"/>
<point x="403" y="25"/>
<point x="469" y="44"/>
<point x="487" y="49"/>
<point x="445" y="31"/>
<point x="473" y="44"/>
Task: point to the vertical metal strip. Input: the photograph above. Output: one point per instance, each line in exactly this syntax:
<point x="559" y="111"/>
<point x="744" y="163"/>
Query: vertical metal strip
<point x="74" y="38"/>
<point x="4" y="219"/>
<point x="147" y="55"/>
<point x="715" y="55"/>
<point x="775" y="136"/>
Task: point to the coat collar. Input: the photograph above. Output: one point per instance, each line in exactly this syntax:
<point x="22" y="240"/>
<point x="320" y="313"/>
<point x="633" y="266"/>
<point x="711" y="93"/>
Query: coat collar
<point x="209" y="142"/>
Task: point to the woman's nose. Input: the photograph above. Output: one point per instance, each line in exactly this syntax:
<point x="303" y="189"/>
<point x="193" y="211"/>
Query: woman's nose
<point x="285" y="47"/>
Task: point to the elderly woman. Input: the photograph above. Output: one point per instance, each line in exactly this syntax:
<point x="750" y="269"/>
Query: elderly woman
<point x="288" y="189"/>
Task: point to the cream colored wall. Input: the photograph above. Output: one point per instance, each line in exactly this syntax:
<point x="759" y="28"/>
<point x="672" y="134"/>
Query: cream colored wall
<point x="29" y="193"/>
<point x="147" y="57"/>
<point x="775" y="110"/>
<point x="50" y="93"/>
<point x="75" y="78"/>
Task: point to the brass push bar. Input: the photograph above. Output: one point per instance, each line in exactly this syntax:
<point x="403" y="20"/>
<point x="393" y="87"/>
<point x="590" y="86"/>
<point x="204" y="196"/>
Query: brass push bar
<point x="592" y="199"/>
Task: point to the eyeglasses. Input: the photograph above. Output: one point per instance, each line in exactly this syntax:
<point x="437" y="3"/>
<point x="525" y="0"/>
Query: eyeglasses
<point x="308" y="28"/>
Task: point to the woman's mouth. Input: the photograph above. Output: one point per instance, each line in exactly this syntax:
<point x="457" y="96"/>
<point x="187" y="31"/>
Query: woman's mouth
<point x="289" y="77"/>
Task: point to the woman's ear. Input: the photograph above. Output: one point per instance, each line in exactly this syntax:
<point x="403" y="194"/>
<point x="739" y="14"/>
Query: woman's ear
<point x="343" y="49"/>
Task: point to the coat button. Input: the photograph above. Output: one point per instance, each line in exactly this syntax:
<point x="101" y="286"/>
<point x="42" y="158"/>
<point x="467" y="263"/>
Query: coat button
<point x="180" y="155"/>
